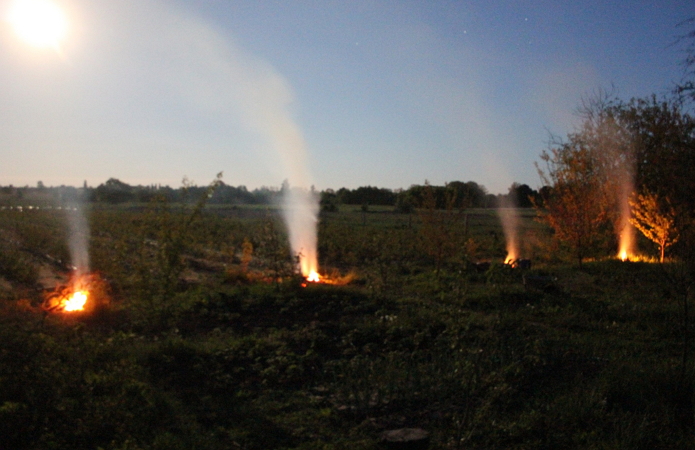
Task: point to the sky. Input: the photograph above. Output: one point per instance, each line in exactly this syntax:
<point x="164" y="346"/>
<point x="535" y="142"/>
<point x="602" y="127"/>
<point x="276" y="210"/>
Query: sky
<point x="325" y="93"/>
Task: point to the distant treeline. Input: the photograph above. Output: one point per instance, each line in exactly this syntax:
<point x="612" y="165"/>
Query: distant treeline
<point x="114" y="191"/>
<point x="454" y="194"/>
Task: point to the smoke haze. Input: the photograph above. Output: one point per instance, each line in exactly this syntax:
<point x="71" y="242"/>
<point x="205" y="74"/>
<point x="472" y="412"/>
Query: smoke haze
<point x="78" y="237"/>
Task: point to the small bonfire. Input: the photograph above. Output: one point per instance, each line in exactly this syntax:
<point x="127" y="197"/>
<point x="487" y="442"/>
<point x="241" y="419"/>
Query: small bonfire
<point x="73" y="297"/>
<point x="334" y="278"/>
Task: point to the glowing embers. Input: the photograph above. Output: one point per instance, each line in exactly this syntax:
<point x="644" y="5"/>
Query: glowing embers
<point x="71" y="298"/>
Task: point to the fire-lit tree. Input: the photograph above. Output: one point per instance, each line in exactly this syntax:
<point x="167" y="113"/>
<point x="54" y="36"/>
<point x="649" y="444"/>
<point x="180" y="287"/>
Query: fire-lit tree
<point x="605" y="134"/>
<point x="664" y="136"/>
<point x="655" y="219"/>
<point x="646" y="145"/>
<point x="577" y="207"/>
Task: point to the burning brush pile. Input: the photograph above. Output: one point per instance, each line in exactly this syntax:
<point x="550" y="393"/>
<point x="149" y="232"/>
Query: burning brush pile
<point x="333" y="278"/>
<point x="83" y="292"/>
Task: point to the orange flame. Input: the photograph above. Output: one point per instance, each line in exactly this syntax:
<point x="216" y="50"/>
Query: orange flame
<point x="308" y="266"/>
<point x="71" y="298"/>
<point x="75" y="302"/>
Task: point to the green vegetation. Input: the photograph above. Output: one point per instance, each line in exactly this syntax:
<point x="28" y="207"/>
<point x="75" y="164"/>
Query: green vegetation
<point x="199" y="348"/>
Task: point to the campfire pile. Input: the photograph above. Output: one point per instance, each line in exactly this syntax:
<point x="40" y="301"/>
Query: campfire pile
<point x="73" y="297"/>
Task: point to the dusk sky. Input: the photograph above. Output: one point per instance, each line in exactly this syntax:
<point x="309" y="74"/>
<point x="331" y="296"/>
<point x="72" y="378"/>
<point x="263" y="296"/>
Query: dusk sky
<point x="330" y="93"/>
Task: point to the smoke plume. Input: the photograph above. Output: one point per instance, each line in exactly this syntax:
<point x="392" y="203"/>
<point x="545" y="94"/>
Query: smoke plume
<point x="221" y="84"/>
<point x="78" y="236"/>
<point x="624" y="230"/>
<point x="509" y="217"/>
<point x="300" y="210"/>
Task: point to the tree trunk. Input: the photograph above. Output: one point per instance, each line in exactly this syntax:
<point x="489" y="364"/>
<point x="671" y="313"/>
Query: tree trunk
<point x="663" y="250"/>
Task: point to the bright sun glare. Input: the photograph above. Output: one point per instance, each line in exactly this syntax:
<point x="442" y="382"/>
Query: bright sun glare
<point x="40" y="23"/>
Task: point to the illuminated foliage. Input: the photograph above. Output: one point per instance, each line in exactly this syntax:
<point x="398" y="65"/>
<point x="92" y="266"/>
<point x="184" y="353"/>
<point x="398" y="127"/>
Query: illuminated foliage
<point x="645" y="144"/>
<point x="577" y="207"/>
<point x="656" y="220"/>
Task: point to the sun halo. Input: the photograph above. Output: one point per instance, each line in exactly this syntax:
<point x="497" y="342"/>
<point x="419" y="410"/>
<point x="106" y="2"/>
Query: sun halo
<point x="40" y="23"/>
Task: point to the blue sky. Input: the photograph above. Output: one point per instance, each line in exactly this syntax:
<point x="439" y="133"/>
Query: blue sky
<point x="330" y="93"/>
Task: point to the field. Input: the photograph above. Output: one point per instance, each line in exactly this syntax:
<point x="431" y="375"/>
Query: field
<point x="201" y="336"/>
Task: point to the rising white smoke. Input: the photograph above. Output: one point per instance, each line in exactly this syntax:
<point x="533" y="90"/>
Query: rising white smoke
<point x="624" y="229"/>
<point x="136" y="74"/>
<point x="78" y="235"/>
<point x="509" y="217"/>
<point x="300" y="211"/>
<point x="216" y="77"/>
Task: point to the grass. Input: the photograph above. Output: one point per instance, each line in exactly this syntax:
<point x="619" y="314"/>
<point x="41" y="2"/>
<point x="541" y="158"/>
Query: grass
<point x="592" y="359"/>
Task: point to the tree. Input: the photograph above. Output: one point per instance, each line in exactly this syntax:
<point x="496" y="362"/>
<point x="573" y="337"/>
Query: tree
<point x="522" y="195"/>
<point x="114" y="191"/>
<point x="588" y="176"/>
<point x="664" y="139"/>
<point x="367" y="194"/>
<point x="328" y="201"/>
<point x="655" y="219"/>
<point x="576" y="209"/>
<point x="470" y="193"/>
<point x="663" y="136"/>
<point x="646" y="145"/>
<point x="606" y="134"/>
<point x="405" y="203"/>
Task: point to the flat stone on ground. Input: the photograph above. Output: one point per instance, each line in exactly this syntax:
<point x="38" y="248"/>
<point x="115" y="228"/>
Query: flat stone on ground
<point x="405" y="439"/>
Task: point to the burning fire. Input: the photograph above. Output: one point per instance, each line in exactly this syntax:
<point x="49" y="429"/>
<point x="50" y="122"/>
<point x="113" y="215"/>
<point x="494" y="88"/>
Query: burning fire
<point x="334" y="278"/>
<point x="70" y="298"/>
<point x="313" y="277"/>
<point x="75" y="302"/>
<point x="509" y="217"/>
